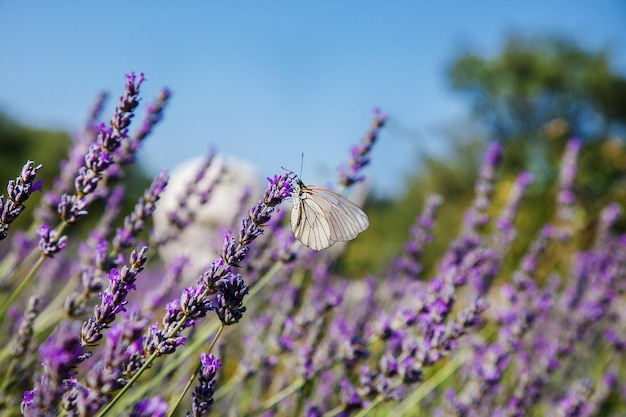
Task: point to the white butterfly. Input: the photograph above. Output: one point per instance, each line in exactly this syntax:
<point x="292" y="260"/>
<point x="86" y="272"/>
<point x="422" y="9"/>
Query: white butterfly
<point x="321" y="218"/>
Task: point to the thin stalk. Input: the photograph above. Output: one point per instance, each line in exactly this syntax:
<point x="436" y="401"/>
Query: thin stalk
<point x="28" y="277"/>
<point x="21" y="287"/>
<point x="126" y="387"/>
<point x="429" y="385"/>
<point x="194" y="374"/>
<point x="200" y="339"/>
<point x="378" y="400"/>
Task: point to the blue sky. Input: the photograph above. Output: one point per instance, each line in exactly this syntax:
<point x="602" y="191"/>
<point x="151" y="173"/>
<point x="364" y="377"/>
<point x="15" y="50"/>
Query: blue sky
<point x="268" y="80"/>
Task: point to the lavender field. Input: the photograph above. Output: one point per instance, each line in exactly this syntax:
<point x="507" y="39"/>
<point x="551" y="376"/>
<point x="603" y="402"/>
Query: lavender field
<point x="105" y="323"/>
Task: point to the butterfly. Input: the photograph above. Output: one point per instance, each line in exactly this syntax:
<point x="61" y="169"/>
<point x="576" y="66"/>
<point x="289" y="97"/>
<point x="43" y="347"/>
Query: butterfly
<point x="320" y="217"/>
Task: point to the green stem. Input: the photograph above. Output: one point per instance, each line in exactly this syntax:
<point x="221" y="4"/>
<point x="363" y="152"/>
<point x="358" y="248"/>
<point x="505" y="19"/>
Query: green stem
<point x="378" y="400"/>
<point x="194" y="346"/>
<point x="29" y="277"/>
<point x="190" y="348"/>
<point x="293" y="388"/>
<point x="429" y="385"/>
<point x="49" y="317"/>
<point x="21" y="287"/>
<point x="194" y="374"/>
<point x="126" y="387"/>
<point x="278" y="397"/>
<point x="7" y="377"/>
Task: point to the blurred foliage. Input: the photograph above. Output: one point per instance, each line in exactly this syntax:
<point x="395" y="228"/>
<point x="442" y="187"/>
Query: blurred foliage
<point x="534" y="81"/>
<point x="20" y="143"/>
<point x="533" y="96"/>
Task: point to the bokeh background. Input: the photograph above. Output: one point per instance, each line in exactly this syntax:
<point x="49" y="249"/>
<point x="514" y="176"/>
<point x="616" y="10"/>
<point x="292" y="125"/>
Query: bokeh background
<point x="268" y="81"/>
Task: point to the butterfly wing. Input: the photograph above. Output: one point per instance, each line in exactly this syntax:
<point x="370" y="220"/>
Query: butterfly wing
<point x="308" y="222"/>
<point x="346" y="219"/>
<point x="321" y="217"/>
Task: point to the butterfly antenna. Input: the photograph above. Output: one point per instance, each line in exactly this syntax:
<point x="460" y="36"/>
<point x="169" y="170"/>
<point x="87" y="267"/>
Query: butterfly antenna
<point x="301" y="164"/>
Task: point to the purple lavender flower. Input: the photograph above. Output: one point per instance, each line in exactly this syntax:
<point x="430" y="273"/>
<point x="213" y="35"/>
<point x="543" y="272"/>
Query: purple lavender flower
<point x="409" y="264"/>
<point x="158" y="341"/>
<point x="156" y="297"/>
<point x="566" y="194"/>
<point x="25" y="332"/>
<point x="184" y="215"/>
<point x="121" y="357"/>
<point x="608" y="217"/>
<point x="219" y="279"/>
<point x="111" y="212"/>
<point x="154" y="114"/>
<point x="350" y="397"/>
<point x="568" y="171"/>
<point x="135" y="222"/>
<point x="113" y="299"/>
<point x="574" y="404"/>
<point x="321" y="343"/>
<point x="49" y="242"/>
<point x="202" y="396"/>
<point x="616" y="341"/>
<point x="64" y="183"/>
<point x="476" y="217"/>
<point x="231" y="290"/>
<point x="359" y="154"/>
<point x="18" y="192"/>
<point x="95" y="253"/>
<point x="99" y="157"/>
<point x="505" y="221"/>
<point x="59" y="355"/>
<point x="150" y="407"/>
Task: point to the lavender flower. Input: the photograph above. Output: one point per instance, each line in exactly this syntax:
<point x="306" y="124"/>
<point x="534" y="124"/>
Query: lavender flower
<point x="157" y="296"/>
<point x="154" y="114"/>
<point x="499" y="323"/>
<point x="574" y="404"/>
<point x="229" y="303"/>
<point x="150" y="407"/>
<point x="505" y="221"/>
<point x="359" y="154"/>
<point x="219" y="279"/>
<point x="64" y="183"/>
<point x="113" y="299"/>
<point x="409" y="265"/>
<point x="97" y="245"/>
<point x="18" y="192"/>
<point x="565" y="197"/>
<point x="59" y="355"/>
<point x="25" y="332"/>
<point x="99" y="156"/>
<point x="49" y="242"/>
<point x="135" y="222"/>
<point x="476" y="216"/>
<point x="182" y="217"/>
<point x="202" y="396"/>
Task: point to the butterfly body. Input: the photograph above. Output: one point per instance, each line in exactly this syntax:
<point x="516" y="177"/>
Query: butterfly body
<point x="321" y="218"/>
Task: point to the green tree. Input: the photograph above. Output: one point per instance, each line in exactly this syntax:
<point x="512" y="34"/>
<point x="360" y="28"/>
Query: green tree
<point x="535" y="94"/>
<point x="534" y="81"/>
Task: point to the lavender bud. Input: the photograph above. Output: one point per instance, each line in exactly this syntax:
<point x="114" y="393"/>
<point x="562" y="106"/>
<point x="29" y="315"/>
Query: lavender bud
<point x="150" y="407"/>
<point x="49" y="243"/>
<point x="229" y="301"/>
<point x="202" y="396"/>
<point x="18" y="191"/>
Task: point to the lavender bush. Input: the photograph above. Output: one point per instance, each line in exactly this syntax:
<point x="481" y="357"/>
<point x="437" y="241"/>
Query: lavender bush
<point x="102" y="327"/>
